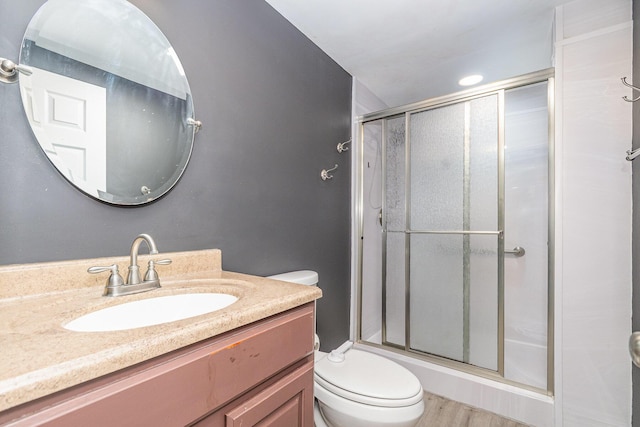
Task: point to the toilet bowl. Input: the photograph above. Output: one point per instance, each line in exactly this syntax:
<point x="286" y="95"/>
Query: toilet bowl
<point x="366" y="390"/>
<point x="354" y="388"/>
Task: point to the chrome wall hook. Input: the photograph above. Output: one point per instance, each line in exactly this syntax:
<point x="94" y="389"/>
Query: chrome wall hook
<point x="624" y="82"/>
<point x="342" y="146"/>
<point x="632" y="154"/>
<point x="324" y="174"/>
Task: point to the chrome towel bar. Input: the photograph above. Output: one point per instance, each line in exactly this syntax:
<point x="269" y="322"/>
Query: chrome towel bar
<point x="497" y="232"/>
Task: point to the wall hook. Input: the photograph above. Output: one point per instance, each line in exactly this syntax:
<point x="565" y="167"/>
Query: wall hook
<point x="624" y="82"/>
<point x="342" y="146"/>
<point x="632" y="154"/>
<point x="324" y="174"/>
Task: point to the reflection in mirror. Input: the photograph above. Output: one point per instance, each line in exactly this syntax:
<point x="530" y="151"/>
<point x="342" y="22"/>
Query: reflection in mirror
<point x="108" y="99"/>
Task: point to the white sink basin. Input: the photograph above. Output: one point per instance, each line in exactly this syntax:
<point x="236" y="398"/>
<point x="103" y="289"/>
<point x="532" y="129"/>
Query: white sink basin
<point x="151" y="311"/>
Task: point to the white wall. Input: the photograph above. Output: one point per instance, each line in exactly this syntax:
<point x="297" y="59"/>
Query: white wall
<point x="593" y="266"/>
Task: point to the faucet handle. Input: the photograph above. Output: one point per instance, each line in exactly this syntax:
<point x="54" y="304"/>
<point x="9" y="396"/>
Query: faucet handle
<point x="151" y="271"/>
<point x="114" y="279"/>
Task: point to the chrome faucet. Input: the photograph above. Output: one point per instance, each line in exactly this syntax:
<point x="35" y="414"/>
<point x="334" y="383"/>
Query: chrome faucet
<point x="133" y="278"/>
<point x="116" y="286"/>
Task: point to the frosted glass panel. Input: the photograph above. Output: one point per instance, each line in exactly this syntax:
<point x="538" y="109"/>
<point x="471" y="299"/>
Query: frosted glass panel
<point x="454" y="187"/>
<point x="437" y="168"/>
<point x="395" y="288"/>
<point x="483" y="301"/>
<point x="395" y="213"/>
<point x="483" y="163"/>
<point x="436" y="285"/>
<point x="395" y="174"/>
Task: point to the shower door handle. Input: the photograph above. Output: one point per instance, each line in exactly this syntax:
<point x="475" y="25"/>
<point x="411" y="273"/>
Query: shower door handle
<point x="518" y="251"/>
<point x="634" y="348"/>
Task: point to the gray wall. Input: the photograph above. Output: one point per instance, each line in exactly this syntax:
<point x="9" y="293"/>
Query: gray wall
<point x="273" y="108"/>
<point x="636" y="210"/>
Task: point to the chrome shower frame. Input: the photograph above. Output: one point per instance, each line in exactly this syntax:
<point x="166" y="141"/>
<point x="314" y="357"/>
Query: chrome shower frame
<point x="498" y="88"/>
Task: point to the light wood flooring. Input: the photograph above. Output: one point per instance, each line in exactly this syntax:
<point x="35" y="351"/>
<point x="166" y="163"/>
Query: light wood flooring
<point x="441" y="412"/>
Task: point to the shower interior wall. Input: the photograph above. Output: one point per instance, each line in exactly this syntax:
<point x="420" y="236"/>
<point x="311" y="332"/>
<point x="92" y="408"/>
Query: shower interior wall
<point x="592" y="372"/>
<point x="365" y="101"/>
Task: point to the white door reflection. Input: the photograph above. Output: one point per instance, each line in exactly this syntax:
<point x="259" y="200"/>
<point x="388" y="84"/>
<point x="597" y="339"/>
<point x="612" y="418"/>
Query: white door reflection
<point x="68" y="117"/>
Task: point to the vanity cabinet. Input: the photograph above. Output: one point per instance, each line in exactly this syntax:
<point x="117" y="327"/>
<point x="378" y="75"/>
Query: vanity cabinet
<point x="259" y="374"/>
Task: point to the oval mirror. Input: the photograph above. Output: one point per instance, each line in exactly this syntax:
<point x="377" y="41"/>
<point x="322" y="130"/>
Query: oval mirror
<point x="107" y="99"/>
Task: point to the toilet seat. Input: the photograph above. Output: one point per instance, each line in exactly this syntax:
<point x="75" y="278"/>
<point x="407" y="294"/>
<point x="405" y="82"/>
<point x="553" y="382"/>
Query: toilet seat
<point x="369" y="379"/>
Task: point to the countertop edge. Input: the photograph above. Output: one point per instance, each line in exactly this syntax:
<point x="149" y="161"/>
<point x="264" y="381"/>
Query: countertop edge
<point x="36" y="384"/>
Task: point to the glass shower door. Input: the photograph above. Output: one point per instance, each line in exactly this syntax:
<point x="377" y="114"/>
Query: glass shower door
<point x="454" y="190"/>
<point x="454" y="231"/>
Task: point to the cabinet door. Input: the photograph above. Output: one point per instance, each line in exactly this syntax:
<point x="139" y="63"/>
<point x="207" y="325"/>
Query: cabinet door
<point x="287" y="403"/>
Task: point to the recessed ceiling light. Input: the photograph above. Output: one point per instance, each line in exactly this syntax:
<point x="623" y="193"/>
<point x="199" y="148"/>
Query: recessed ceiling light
<point x="470" y="80"/>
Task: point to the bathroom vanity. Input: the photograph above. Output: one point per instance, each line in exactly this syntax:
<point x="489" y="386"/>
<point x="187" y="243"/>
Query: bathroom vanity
<point x="248" y="363"/>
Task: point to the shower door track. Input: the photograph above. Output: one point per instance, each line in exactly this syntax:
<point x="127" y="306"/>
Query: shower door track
<point x="464" y="96"/>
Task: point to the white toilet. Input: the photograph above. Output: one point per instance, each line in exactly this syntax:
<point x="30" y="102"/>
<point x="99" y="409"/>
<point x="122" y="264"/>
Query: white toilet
<point x="354" y="388"/>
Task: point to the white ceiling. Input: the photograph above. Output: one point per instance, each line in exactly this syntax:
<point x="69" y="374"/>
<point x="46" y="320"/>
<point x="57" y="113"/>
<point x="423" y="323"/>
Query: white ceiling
<point x="409" y="50"/>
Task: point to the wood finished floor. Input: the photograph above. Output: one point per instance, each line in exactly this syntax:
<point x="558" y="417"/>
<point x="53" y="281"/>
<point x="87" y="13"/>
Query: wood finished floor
<point x="441" y="412"/>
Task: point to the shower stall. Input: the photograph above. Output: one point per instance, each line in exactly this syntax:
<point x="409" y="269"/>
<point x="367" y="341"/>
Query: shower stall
<point x="456" y="240"/>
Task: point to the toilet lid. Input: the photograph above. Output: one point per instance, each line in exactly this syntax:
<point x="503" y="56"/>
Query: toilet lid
<point x="370" y="379"/>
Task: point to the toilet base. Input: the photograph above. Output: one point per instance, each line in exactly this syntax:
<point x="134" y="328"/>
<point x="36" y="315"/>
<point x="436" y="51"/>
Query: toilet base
<point x="335" y="411"/>
<point x="318" y="420"/>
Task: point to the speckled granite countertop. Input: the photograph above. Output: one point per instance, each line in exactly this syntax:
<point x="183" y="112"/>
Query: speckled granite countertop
<point x="39" y="357"/>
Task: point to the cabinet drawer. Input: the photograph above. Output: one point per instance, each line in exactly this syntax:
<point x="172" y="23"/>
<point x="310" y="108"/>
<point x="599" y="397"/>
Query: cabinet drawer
<point x="190" y="383"/>
<point x="287" y="403"/>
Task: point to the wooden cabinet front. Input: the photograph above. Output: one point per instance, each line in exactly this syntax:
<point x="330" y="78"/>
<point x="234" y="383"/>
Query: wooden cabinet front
<point x="266" y="367"/>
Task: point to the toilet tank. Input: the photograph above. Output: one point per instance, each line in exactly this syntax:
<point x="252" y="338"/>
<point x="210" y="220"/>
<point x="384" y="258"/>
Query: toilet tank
<point x="301" y="277"/>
